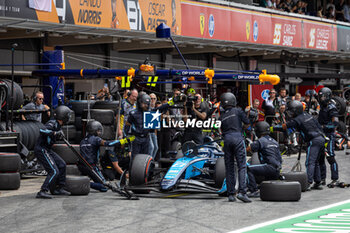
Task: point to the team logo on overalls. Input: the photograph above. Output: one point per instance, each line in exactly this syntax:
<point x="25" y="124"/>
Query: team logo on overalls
<point x="265" y="94"/>
<point x="151" y="120"/>
<point x="211" y="25"/>
<point x="202" y="23"/>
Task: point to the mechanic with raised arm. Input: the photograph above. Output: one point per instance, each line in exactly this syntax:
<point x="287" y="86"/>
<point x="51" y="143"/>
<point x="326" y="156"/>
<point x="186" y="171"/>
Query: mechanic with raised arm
<point x="197" y="109"/>
<point x="328" y="118"/>
<point x="269" y="156"/>
<point x="135" y="123"/>
<point x="52" y="162"/>
<point x="311" y="132"/>
<point x="234" y="146"/>
<point x="90" y="150"/>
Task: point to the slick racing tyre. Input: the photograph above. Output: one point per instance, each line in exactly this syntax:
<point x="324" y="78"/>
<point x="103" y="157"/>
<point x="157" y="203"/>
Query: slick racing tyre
<point x="104" y="116"/>
<point x="109" y="132"/>
<point x="70" y="132"/>
<point x="10" y="181"/>
<point x="78" y="185"/>
<point x="220" y="174"/>
<point x="301" y="177"/>
<point x="10" y="162"/>
<point x="141" y="171"/>
<point x="72" y="170"/>
<point x="280" y="191"/>
<point x="79" y="106"/>
<point x="113" y="105"/>
<point x="66" y="153"/>
<point x="340" y="104"/>
<point x="341" y="127"/>
<point x="78" y="123"/>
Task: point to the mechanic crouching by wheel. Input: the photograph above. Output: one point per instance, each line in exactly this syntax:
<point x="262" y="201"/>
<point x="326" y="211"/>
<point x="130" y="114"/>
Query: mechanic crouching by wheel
<point x="90" y="150"/>
<point x="328" y="118"/>
<point x="269" y="156"/>
<point x="52" y="162"/>
<point x="234" y="146"/>
<point x="311" y="133"/>
<point x="115" y="162"/>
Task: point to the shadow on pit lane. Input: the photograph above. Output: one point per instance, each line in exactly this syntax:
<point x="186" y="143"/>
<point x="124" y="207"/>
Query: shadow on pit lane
<point x="187" y="196"/>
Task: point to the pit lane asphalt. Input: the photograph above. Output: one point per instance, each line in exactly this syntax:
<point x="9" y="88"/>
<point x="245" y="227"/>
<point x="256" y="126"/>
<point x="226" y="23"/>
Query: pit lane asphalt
<point x="107" y="212"/>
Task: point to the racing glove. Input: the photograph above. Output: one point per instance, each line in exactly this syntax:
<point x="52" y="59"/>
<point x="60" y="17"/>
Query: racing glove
<point x="171" y="102"/>
<point x="59" y="135"/>
<point x="120" y="142"/>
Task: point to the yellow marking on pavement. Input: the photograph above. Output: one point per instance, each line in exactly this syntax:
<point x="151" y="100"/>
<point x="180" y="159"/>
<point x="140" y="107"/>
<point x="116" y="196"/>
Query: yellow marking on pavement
<point x="176" y="195"/>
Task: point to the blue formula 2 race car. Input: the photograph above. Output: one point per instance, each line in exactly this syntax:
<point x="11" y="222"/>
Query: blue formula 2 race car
<point x="200" y="170"/>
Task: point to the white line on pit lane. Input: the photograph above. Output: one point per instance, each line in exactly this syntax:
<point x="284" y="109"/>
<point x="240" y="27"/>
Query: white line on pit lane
<point x="289" y="217"/>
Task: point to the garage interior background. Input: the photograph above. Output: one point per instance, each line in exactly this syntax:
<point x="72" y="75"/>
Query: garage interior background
<point x="119" y="34"/>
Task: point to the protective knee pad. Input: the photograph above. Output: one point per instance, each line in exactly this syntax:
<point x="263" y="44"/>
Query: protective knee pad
<point x="331" y="159"/>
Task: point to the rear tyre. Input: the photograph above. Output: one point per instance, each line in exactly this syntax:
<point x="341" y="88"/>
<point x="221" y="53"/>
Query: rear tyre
<point x="280" y="191"/>
<point x="10" y="181"/>
<point x="340" y="104"/>
<point x="78" y="185"/>
<point x="72" y="170"/>
<point x="141" y="171"/>
<point x="66" y="153"/>
<point x="301" y="177"/>
<point x="220" y="174"/>
<point x="341" y="127"/>
<point x="10" y="162"/>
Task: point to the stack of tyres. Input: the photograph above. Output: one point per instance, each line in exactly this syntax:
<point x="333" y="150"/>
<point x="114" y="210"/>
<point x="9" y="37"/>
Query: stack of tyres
<point x="29" y="132"/>
<point x="70" y="131"/>
<point x="10" y="164"/>
<point x="109" y="123"/>
<point x="78" y="108"/>
<point x="66" y="153"/>
<point x="69" y="157"/>
<point x="107" y="118"/>
<point x="6" y="93"/>
<point x="75" y="183"/>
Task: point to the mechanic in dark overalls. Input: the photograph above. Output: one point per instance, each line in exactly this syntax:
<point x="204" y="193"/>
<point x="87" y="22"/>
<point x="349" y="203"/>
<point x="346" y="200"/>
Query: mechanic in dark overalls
<point x="269" y="156"/>
<point x="53" y="164"/>
<point x="328" y="118"/>
<point x="135" y="121"/>
<point x="90" y="150"/>
<point x="115" y="162"/>
<point x="234" y="146"/>
<point x="311" y="132"/>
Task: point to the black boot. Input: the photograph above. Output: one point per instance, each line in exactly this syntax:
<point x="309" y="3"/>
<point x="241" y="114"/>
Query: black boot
<point x="333" y="184"/>
<point x="231" y="198"/>
<point x="317" y="186"/>
<point x="243" y="197"/>
<point x="255" y="194"/>
<point x="43" y="194"/>
<point x="308" y="187"/>
<point x="61" y="192"/>
<point x="323" y="182"/>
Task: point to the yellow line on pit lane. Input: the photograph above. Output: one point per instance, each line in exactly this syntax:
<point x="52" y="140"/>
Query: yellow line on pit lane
<point x="176" y="195"/>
